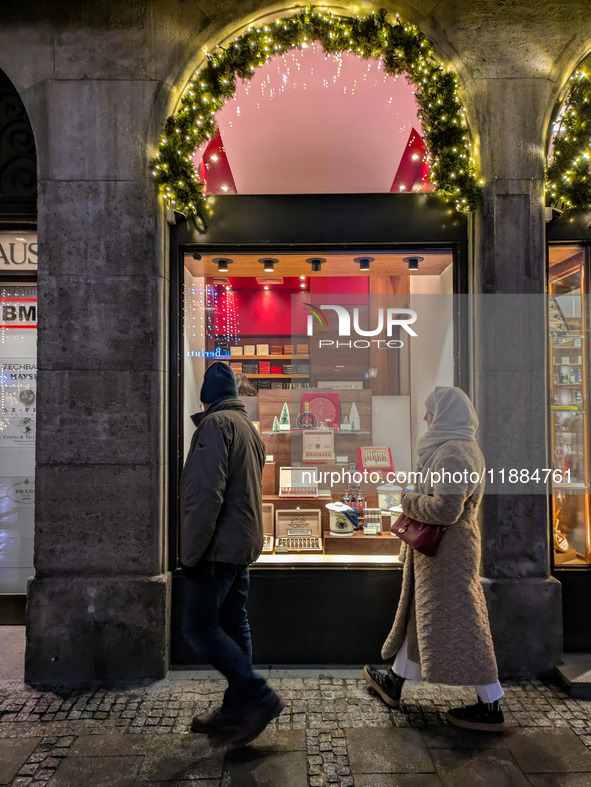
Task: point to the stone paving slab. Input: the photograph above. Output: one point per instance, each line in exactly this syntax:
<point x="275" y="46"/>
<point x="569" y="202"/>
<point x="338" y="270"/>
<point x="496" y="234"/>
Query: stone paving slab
<point x="181" y="757"/>
<point x="548" y="751"/>
<point x="397" y="780"/>
<point x="388" y="751"/>
<point x="263" y="767"/>
<point x="119" y="771"/>
<point x="561" y="780"/>
<point x="482" y="767"/>
<point x="13" y="754"/>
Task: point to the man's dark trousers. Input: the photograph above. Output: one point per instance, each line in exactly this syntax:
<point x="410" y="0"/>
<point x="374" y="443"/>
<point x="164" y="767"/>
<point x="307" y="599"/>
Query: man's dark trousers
<point x="215" y="622"/>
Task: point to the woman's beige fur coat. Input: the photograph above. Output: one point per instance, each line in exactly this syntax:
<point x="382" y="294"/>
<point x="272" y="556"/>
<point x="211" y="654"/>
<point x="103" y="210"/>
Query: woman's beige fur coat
<point x="442" y="602"/>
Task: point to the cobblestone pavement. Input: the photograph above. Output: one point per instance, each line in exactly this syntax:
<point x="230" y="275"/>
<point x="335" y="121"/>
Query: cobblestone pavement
<point x="332" y="731"/>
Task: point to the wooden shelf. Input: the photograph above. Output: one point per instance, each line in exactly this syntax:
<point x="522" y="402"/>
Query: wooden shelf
<point x="275" y="376"/>
<point x="268" y="357"/>
<point x="315" y="429"/>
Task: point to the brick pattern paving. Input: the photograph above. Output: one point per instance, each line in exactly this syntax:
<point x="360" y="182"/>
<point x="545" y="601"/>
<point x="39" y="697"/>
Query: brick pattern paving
<point x="323" y="707"/>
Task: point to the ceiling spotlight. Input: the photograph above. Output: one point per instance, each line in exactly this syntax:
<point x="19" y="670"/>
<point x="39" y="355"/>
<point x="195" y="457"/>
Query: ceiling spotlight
<point x="316" y="263"/>
<point x="364" y="262"/>
<point x="268" y="264"/>
<point x="413" y="262"/>
<point x="302" y="285"/>
<point x="265" y="287"/>
<point x="222" y="263"/>
<point x="302" y="277"/>
<point x="196" y="255"/>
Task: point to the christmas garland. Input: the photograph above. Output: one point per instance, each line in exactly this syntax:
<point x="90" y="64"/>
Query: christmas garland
<point x="402" y="48"/>
<point x="568" y="181"/>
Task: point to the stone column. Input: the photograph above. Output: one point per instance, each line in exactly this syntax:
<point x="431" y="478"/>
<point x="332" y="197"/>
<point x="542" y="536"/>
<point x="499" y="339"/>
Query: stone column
<point x="98" y="607"/>
<point x="510" y="371"/>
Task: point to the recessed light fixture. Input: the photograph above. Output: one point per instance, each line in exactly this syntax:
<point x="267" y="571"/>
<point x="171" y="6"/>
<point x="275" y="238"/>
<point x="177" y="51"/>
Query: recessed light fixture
<point x="413" y="262"/>
<point x="302" y="285"/>
<point x="302" y="277"/>
<point x="266" y="287"/>
<point x="222" y="263"/>
<point x="364" y="262"/>
<point x="268" y="264"/>
<point x="316" y="263"/>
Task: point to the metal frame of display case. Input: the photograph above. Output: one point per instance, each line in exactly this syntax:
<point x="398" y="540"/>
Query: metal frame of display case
<point x="574" y="227"/>
<point x="585" y="387"/>
<point x="272" y="225"/>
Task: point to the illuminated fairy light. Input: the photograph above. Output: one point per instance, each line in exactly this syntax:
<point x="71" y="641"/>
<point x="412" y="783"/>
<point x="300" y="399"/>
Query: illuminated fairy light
<point x="568" y="179"/>
<point x="372" y="37"/>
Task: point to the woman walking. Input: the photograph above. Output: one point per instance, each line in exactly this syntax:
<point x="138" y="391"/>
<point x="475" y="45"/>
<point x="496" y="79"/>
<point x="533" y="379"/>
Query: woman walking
<point x="441" y="632"/>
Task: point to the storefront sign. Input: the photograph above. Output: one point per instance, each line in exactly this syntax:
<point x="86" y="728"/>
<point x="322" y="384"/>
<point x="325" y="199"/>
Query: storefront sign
<point x="393" y="318"/>
<point x="18" y="251"/>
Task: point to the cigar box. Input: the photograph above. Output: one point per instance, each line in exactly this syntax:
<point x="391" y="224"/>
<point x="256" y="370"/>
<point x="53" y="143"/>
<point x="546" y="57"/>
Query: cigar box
<point x="262" y="349"/>
<point x="276" y="369"/>
<point x="236" y="350"/>
<point x="276" y="349"/>
<point x="236" y="367"/>
<point x="302" y="349"/>
<point x="298" y="482"/>
<point x="249" y="349"/>
<point x="288" y="349"/>
<point x="298" y="530"/>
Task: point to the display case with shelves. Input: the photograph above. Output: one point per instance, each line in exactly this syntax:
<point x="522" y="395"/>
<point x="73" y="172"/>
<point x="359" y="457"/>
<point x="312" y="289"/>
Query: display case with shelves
<point x="568" y="346"/>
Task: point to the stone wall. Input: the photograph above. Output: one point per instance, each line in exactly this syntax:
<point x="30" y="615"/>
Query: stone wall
<point x="98" y="80"/>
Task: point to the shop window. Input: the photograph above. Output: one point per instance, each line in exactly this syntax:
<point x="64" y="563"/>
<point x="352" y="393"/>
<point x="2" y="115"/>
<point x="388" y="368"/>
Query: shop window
<point x="18" y="389"/>
<point x="332" y="379"/>
<point x="568" y="321"/>
<point x="309" y="122"/>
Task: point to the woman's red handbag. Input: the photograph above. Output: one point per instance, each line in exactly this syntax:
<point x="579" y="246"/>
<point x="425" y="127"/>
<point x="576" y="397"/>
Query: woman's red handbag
<point x="424" y="538"/>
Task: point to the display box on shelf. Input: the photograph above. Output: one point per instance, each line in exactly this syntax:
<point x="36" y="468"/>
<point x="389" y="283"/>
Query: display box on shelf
<point x="234" y="350"/>
<point x="298" y="530"/>
<point x="375" y="457"/>
<point x="298" y="482"/>
<point x="302" y="349"/>
<point x="318" y="446"/>
<point x="262" y="349"/>
<point x="325" y="407"/>
<point x="361" y="544"/>
<point x="249" y="349"/>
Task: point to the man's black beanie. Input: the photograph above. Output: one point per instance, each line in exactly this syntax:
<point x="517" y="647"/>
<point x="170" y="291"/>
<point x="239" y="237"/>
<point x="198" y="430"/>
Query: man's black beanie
<point x="218" y="383"/>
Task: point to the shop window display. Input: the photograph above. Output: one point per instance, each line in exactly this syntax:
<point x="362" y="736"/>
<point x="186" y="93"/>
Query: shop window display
<point x="334" y="376"/>
<point x="568" y="326"/>
<point x="18" y="388"/>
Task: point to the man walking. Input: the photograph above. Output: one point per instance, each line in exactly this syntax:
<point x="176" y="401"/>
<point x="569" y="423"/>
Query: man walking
<point x="222" y="534"/>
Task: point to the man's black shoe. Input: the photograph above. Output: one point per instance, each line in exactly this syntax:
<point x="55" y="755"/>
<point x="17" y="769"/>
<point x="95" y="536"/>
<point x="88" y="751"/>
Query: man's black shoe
<point x="387" y="684"/>
<point x="484" y="716"/>
<point x="251" y="725"/>
<point x="212" y="723"/>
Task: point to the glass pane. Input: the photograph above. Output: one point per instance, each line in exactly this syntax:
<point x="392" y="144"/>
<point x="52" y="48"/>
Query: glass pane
<point x="340" y="415"/>
<point x="18" y="388"/>
<point x="569" y="422"/>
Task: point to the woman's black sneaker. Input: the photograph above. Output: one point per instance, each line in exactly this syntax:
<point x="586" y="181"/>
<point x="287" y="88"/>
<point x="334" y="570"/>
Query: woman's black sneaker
<point x="387" y="684"/>
<point x="484" y="716"/>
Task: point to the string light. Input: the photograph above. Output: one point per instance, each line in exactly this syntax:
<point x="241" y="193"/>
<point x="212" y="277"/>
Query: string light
<point x="568" y="179"/>
<point x="398" y="46"/>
